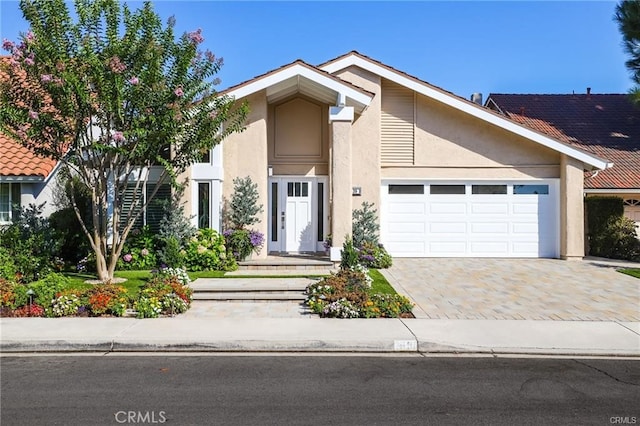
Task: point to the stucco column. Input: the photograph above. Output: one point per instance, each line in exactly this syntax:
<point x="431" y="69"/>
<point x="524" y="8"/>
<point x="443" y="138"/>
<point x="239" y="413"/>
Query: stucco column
<point x="571" y="208"/>
<point x="340" y="119"/>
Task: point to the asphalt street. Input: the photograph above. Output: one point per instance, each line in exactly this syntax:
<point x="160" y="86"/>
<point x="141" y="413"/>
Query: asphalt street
<point x="310" y="390"/>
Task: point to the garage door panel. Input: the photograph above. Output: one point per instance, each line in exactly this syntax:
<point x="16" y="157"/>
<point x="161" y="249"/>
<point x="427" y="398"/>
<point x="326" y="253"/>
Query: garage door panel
<point x="490" y="228"/>
<point x="407" y="228"/>
<point x="525" y="228"/>
<point x="448" y="227"/>
<point x="407" y="207"/>
<point x="406" y="248"/>
<point x="447" y="207"/>
<point x="449" y="248"/>
<point x="490" y="208"/>
<point x="489" y="247"/>
<point x="526" y="208"/>
<point x="481" y="224"/>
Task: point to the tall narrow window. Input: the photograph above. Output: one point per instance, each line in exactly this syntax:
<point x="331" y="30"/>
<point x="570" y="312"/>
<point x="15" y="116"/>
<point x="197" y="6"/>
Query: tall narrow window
<point x="274" y="211"/>
<point x="5" y="202"/>
<point x="206" y="157"/>
<point x="204" y="205"/>
<point x="320" y="211"/>
<point x="15" y="200"/>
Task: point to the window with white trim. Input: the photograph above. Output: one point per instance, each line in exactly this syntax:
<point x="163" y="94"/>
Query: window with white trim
<point x="9" y="202"/>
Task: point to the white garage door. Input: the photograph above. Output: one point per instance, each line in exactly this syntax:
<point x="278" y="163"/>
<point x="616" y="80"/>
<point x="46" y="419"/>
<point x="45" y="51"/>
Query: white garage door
<point x="470" y="219"/>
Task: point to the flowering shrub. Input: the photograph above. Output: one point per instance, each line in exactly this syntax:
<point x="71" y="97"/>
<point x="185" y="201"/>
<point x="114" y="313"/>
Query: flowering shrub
<point x="48" y="289"/>
<point x="341" y="308"/>
<point x="206" y="251"/>
<point x="386" y="306"/>
<point x="163" y="295"/>
<point x="29" y="311"/>
<point x="12" y="294"/>
<point x="374" y="256"/>
<point x="138" y="252"/>
<point x="65" y="305"/>
<point x="147" y="307"/>
<point x="174" y="304"/>
<point x="105" y="299"/>
<point x="178" y="273"/>
<point x="347" y="294"/>
<point x="242" y="242"/>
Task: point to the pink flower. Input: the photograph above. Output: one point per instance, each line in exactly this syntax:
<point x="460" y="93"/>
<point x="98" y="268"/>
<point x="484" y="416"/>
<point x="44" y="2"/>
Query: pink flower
<point x="195" y="36"/>
<point x="127" y="257"/>
<point x="179" y="92"/>
<point x="134" y="81"/>
<point x="117" y="137"/>
<point x="33" y="115"/>
<point x="30" y="36"/>
<point x="8" y="45"/>
<point x="45" y="78"/>
<point x="116" y="65"/>
<point x="29" y="61"/>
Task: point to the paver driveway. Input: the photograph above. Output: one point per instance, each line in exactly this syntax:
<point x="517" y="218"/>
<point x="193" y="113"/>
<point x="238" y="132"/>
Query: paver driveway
<point x="526" y="289"/>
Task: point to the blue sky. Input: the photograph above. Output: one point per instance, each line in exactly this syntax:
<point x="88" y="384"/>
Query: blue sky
<point x="463" y="47"/>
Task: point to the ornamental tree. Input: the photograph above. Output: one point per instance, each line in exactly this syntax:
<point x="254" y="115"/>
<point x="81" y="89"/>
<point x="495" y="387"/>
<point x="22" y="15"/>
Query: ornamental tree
<point x="111" y="93"/>
<point x="627" y="15"/>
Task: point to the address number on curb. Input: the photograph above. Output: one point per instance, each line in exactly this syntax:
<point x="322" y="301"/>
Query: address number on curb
<point x="405" y="345"/>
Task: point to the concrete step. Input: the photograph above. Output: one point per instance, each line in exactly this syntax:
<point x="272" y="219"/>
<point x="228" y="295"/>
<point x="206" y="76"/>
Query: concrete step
<point x="250" y="284"/>
<point x="250" y="289"/>
<point x="281" y="272"/>
<point x="286" y="263"/>
<point x="249" y="296"/>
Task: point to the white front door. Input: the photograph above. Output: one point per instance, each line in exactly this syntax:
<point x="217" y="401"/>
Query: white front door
<point x="296" y="204"/>
<point x="299" y="232"/>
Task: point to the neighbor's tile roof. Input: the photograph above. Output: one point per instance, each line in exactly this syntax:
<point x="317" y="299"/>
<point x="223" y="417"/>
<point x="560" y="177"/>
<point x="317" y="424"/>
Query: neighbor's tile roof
<point x="16" y="160"/>
<point x="607" y="125"/>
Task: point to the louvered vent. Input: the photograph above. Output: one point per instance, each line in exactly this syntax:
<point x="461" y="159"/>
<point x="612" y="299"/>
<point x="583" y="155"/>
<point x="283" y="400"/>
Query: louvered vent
<point x="397" y="124"/>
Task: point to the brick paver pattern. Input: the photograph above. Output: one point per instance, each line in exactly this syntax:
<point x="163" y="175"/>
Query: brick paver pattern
<point x="524" y="289"/>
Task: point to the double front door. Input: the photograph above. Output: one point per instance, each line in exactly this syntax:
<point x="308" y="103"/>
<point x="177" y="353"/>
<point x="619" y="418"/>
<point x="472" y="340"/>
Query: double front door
<point x="297" y="214"/>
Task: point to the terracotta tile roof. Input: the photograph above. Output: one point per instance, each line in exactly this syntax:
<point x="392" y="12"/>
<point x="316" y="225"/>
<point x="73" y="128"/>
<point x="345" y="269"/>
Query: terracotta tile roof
<point x="16" y="160"/>
<point x="607" y="125"/>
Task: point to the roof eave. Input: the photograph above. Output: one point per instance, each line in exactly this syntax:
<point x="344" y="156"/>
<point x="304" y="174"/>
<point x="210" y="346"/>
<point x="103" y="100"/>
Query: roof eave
<point x="359" y="98"/>
<point x="21" y="178"/>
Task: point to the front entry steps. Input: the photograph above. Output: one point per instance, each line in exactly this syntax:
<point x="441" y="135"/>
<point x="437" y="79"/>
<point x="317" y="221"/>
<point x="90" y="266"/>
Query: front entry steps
<point x="284" y="264"/>
<point x="250" y="289"/>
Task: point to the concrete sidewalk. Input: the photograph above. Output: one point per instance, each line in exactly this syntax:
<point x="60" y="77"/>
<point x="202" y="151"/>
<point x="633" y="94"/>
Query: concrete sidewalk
<point x="573" y="338"/>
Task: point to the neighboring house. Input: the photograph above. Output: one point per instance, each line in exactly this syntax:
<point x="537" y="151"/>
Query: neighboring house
<point x="24" y="179"/>
<point x="450" y="178"/>
<point x="608" y="125"/>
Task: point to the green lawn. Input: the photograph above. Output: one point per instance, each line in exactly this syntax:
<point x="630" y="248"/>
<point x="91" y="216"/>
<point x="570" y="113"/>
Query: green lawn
<point x="633" y="272"/>
<point x="136" y="279"/>
<point x="380" y="283"/>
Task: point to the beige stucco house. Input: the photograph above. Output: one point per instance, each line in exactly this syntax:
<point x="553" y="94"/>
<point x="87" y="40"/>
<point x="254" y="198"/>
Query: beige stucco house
<point x="449" y="177"/>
